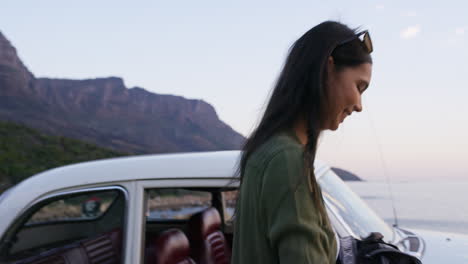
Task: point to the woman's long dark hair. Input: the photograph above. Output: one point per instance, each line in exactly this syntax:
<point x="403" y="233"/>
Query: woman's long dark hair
<point x="300" y="92"/>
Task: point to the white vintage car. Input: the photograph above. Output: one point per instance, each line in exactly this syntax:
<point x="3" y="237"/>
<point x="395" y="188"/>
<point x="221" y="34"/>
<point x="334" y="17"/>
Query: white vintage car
<point x="172" y="208"/>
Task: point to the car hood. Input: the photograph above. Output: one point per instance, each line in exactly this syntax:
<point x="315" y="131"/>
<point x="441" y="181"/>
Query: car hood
<point x="443" y="247"/>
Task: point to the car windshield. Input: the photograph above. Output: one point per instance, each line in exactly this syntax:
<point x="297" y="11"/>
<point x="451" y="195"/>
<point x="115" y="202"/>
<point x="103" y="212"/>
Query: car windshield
<point x="349" y="207"/>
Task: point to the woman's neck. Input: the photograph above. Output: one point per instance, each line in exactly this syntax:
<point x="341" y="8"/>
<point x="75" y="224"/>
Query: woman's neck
<point x="300" y="129"/>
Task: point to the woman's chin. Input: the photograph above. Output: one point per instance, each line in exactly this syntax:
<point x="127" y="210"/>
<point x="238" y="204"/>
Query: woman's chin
<point x="334" y="127"/>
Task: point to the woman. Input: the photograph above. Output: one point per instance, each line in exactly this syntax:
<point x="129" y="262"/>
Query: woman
<point x="280" y="214"/>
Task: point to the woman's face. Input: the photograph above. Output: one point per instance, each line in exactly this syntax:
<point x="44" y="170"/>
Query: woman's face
<point x="345" y="88"/>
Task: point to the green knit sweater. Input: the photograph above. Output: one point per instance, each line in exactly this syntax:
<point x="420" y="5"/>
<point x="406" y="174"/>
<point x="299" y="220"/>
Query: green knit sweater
<point x="276" y="219"/>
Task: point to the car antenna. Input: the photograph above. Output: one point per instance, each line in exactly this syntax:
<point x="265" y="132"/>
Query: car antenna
<point x="384" y="166"/>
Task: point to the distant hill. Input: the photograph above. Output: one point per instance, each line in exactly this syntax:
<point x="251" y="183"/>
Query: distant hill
<point x="105" y="112"/>
<point x="346" y="175"/>
<point x="25" y="152"/>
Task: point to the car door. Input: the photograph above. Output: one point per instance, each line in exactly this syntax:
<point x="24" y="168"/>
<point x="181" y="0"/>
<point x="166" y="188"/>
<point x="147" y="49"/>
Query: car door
<point x="168" y="204"/>
<point x="84" y="225"/>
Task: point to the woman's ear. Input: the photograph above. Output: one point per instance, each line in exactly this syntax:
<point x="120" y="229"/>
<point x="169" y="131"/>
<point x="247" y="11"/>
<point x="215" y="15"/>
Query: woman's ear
<point x="330" y="63"/>
<point x="330" y="66"/>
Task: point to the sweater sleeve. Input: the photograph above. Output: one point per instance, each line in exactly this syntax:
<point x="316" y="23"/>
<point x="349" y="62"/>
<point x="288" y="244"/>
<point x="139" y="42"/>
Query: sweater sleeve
<point x="293" y="222"/>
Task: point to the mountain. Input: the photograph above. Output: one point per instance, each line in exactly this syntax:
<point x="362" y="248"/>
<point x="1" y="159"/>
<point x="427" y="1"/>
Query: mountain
<point x="105" y="112"/>
<point x="346" y="175"/>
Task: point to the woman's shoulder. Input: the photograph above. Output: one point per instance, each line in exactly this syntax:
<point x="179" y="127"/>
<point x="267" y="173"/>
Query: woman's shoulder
<point x="280" y="145"/>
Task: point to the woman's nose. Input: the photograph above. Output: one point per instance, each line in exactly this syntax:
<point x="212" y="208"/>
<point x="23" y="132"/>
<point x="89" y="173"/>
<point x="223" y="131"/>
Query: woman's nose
<point x="358" y="106"/>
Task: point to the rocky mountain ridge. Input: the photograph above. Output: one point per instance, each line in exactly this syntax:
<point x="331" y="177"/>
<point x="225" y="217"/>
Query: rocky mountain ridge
<point x="105" y="112"/>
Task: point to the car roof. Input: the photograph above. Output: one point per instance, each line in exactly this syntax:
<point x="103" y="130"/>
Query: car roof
<point x="214" y="164"/>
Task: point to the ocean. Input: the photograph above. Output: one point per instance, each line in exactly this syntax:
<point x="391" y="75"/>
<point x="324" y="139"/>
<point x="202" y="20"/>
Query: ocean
<point x="432" y="204"/>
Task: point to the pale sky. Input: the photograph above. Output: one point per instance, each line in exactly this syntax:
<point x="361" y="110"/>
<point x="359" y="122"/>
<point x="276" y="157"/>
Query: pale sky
<point x="229" y="54"/>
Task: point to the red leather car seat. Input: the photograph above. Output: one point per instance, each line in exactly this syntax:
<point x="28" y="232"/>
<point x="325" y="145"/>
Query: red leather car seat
<point x="172" y="247"/>
<point x="208" y="243"/>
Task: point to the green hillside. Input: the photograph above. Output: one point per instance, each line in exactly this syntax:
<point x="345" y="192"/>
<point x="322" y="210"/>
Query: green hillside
<point x="25" y="152"/>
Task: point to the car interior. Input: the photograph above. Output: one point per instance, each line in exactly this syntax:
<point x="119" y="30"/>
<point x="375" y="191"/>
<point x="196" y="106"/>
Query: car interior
<point x="201" y="235"/>
<point x="207" y="233"/>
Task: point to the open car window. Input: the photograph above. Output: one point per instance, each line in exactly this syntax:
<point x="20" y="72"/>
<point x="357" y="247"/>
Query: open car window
<point x="176" y="204"/>
<point x="82" y="207"/>
<point x="70" y="227"/>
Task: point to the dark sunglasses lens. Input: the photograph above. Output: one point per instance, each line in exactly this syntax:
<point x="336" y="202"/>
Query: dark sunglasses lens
<point x="368" y="42"/>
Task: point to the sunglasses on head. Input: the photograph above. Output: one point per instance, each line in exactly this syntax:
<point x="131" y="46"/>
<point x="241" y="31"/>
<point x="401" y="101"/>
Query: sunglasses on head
<point x="364" y="38"/>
